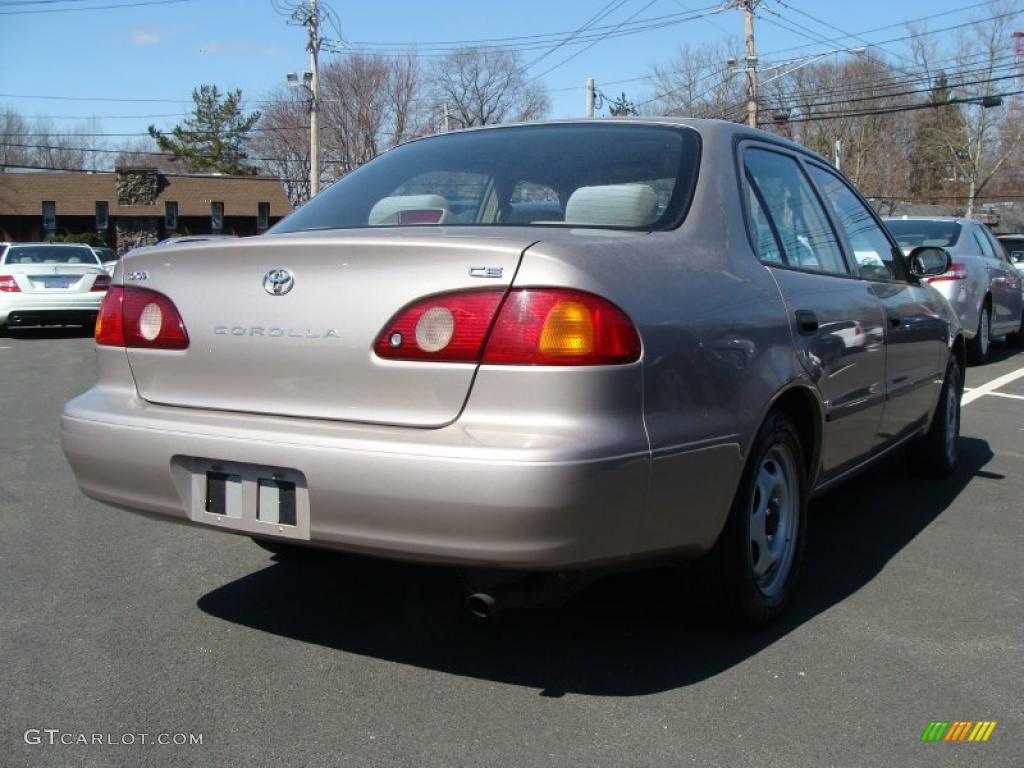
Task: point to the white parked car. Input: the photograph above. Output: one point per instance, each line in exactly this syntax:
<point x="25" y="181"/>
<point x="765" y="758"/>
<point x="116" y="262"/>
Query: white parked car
<point x="50" y="284"/>
<point x="981" y="286"/>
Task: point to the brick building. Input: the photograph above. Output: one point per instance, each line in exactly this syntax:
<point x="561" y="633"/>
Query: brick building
<point x="137" y="206"/>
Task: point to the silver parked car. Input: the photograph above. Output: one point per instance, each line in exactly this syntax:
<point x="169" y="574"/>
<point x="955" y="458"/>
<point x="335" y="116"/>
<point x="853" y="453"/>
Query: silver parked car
<point x="45" y="284"/>
<point x="551" y="348"/>
<point x="981" y="285"/>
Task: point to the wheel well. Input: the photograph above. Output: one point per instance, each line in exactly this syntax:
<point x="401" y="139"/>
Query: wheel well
<point x="801" y="406"/>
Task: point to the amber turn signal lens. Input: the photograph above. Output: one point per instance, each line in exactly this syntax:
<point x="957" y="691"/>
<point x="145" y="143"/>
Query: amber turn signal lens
<point x="568" y="330"/>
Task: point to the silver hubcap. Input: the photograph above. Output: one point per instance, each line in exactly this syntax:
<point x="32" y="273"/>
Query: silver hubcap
<point x="983" y="331"/>
<point x="952" y="421"/>
<point x="774" y="512"/>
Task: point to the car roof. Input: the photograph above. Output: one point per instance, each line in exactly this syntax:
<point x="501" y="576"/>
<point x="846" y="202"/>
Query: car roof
<point x="706" y="127"/>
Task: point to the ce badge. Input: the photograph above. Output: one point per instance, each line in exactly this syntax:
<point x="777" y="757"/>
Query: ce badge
<point x="277" y="282"/>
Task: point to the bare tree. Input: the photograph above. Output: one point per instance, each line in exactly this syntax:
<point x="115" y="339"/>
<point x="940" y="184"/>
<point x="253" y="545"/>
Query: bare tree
<point x="14" y="131"/>
<point x="282" y="141"/>
<point x="698" y="82"/>
<point x="482" y="86"/>
<point x="982" y="137"/>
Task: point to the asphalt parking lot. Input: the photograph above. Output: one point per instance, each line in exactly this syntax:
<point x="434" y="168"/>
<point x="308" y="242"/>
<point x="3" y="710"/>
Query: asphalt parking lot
<point x="910" y="611"/>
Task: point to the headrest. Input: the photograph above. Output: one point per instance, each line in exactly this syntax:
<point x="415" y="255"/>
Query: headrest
<point x="386" y="211"/>
<point x="613" y="205"/>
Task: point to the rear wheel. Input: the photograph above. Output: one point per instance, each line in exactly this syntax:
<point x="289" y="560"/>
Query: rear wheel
<point x="982" y="342"/>
<point x="755" y="561"/>
<point x="935" y="453"/>
<point x="1017" y="339"/>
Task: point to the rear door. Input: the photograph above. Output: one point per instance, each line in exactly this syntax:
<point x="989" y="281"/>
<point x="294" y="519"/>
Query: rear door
<point x="916" y="335"/>
<point x="837" y="319"/>
<point x="1005" y="284"/>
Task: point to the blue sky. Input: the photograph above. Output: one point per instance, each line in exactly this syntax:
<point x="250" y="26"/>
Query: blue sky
<point x="162" y="51"/>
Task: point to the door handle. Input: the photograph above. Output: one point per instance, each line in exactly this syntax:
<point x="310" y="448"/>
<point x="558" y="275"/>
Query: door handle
<point x="806" y="322"/>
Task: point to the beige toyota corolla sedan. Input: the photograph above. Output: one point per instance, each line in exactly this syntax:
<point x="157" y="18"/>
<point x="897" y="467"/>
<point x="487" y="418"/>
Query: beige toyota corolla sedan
<point x="551" y="349"/>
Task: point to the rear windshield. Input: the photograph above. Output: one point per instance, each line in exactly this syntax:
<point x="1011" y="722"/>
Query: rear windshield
<point x="615" y="176"/>
<point x="911" y="233"/>
<point x="50" y="254"/>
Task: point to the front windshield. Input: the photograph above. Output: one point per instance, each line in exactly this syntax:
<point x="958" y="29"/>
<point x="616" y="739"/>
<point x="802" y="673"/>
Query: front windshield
<point x="911" y="233"/>
<point x="50" y="254"/>
<point x="596" y="175"/>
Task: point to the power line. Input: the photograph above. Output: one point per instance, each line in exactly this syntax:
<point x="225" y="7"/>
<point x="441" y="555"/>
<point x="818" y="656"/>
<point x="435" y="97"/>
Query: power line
<point x="94" y="7"/>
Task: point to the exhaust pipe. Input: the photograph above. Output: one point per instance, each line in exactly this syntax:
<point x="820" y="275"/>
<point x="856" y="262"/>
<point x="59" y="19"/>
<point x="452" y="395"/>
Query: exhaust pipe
<point x="534" y="590"/>
<point x="482" y="605"/>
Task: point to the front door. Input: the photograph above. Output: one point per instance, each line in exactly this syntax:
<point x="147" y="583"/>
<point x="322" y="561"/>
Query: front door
<point x="837" y="320"/>
<point x="916" y="337"/>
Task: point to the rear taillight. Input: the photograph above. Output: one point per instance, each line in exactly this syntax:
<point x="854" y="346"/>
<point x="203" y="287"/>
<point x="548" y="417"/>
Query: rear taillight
<point x="535" y="326"/>
<point x="136" y="317"/>
<point x="955" y="272"/>
<point x="101" y="283"/>
<point x="8" y="284"/>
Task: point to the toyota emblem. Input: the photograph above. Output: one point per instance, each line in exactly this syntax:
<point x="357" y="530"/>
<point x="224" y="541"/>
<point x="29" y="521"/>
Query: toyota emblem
<point x="277" y="282"/>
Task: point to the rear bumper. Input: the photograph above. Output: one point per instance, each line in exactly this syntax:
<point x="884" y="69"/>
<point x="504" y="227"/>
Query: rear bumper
<point x="26" y="309"/>
<point x="432" y="495"/>
<point x="404" y="501"/>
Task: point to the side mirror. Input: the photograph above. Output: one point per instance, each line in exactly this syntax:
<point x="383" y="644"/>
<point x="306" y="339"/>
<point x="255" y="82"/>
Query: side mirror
<point x="929" y="261"/>
<point x="1016" y="257"/>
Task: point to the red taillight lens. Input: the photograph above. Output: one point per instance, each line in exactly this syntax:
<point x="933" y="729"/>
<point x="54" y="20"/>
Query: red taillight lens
<point x="955" y="272"/>
<point x="554" y="326"/>
<point x="8" y="284"/>
<point x="448" y="328"/>
<point x="535" y="326"/>
<point x="101" y="283"/>
<point x="135" y="317"/>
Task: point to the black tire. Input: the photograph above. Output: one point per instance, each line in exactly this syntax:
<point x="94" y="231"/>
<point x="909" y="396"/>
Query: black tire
<point x="741" y="599"/>
<point x="933" y="454"/>
<point x="1016" y="339"/>
<point x="286" y="550"/>
<point x="980" y="347"/>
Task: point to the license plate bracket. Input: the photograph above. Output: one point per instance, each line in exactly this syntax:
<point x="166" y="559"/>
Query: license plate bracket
<point x="249" y="498"/>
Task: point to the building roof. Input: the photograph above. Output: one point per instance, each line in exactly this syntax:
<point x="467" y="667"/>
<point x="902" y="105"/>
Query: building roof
<point x="76" y="194"/>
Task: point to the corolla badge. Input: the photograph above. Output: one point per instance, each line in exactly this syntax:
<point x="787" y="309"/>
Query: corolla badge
<point x="277" y="282"/>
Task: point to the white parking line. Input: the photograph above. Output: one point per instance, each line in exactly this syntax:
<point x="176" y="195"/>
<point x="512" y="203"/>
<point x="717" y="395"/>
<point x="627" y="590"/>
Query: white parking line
<point x="991" y="387"/>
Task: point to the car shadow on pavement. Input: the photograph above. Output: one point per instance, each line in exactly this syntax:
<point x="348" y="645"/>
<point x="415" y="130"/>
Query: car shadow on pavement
<point x="629" y="634"/>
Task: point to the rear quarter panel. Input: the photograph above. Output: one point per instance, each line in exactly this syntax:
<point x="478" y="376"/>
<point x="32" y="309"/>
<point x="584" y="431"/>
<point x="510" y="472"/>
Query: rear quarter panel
<point x="717" y="344"/>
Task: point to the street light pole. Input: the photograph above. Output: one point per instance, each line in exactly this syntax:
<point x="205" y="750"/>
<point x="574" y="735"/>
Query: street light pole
<point x="591" y="95"/>
<point x="748" y="34"/>
<point x="314" y="102"/>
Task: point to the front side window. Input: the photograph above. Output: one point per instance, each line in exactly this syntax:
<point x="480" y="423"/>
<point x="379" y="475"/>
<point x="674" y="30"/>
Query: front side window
<point x="872" y="250"/>
<point x="805" y="234"/>
<point x="638" y="177"/>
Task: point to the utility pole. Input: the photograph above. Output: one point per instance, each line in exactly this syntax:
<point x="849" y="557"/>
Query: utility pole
<point x="314" y="102"/>
<point x="838" y="155"/>
<point x="447" y="119"/>
<point x="590" y="96"/>
<point x="748" y="35"/>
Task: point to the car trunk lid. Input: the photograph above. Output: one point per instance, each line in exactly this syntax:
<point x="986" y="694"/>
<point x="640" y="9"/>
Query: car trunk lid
<point x="308" y="352"/>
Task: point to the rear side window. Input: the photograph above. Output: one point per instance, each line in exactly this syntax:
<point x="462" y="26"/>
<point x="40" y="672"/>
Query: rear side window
<point x="910" y="233"/>
<point x="638" y="177"/>
<point x="982" y="241"/>
<point x="805" y="234"/>
<point x="872" y="250"/>
<point x="50" y="254"/>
